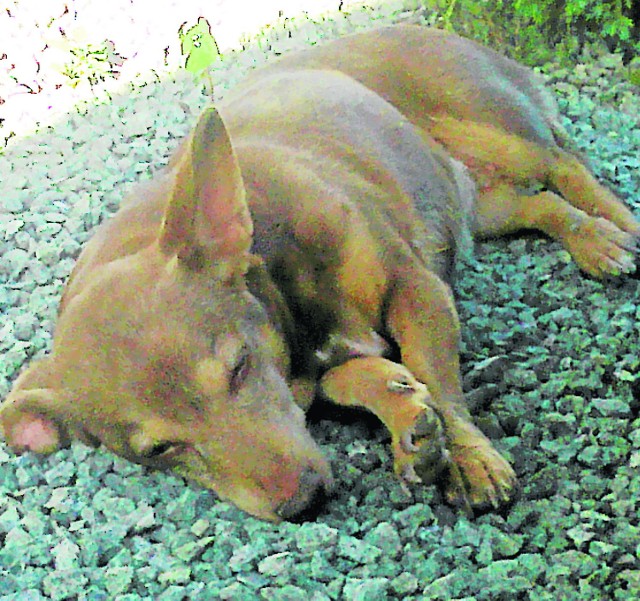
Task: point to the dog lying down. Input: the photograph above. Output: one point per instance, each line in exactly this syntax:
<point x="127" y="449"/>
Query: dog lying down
<point x="302" y="235"/>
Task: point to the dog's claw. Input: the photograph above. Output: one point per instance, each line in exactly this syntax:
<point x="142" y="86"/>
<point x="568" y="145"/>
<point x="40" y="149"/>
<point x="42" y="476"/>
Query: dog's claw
<point x="456" y="493"/>
<point x="406" y="442"/>
<point x="409" y="474"/>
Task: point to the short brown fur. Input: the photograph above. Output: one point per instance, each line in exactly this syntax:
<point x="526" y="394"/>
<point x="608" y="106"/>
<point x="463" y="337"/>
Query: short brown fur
<point x="306" y="230"/>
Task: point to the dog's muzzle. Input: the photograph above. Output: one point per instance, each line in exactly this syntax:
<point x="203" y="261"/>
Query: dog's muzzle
<point x="308" y="499"/>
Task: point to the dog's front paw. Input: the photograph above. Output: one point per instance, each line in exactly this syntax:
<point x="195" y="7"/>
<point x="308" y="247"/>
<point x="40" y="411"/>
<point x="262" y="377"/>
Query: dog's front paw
<point x="479" y="477"/>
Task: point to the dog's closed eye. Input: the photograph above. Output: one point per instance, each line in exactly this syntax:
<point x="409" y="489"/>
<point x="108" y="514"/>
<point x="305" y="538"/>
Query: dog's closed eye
<point x="159" y="449"/>
<point x="401" y="384"/>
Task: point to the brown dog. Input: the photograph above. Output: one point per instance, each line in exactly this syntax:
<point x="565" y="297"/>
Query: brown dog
<point x="313" y="219"/>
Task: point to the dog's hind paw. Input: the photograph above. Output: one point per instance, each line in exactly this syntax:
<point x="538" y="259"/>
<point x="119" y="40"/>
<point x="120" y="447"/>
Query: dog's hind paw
<point x="600" y="248"/>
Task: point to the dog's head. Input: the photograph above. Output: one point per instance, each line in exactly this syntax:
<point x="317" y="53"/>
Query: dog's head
<point x="167" y="358"/>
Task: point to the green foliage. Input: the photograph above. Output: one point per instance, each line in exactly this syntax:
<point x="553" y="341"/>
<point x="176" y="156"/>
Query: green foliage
<point x="199" y="46"/>
<point x="633" y="75"/>
<point x="93" y="63"/>
<point x="535" y="31"/>
<point x="200" y="50"/>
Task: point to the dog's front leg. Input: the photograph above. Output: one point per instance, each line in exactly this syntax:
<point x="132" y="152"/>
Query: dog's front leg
<point x="423" y="320"/>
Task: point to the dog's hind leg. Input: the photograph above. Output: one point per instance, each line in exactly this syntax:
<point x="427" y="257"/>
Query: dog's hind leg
<point x="423" y="320"/>
<point x="594" y="225"/>
<point x="597" y="243"/>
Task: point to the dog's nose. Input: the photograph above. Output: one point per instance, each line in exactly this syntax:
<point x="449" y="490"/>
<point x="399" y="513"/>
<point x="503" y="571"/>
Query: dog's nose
<point x="306" y="502"/>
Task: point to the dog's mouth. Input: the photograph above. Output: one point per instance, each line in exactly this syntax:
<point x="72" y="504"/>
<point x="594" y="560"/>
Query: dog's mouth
<point x="309" y="498"/>
<point x="304" y="503"/>
<point x="280" y="488"/>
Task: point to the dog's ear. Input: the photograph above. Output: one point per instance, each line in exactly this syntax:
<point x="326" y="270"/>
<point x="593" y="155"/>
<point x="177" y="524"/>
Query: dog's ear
<point x="28" y="415"/>
<point x="207" y="213"/>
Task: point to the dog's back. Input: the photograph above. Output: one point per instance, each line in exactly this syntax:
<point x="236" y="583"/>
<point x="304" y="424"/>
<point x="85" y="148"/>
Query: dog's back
<point x="333" y="153"/>
<point x="426" y="71"/>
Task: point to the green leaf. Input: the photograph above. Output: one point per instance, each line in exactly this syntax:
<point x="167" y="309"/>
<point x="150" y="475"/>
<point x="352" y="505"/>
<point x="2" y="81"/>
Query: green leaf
<point x="199" y="46"/>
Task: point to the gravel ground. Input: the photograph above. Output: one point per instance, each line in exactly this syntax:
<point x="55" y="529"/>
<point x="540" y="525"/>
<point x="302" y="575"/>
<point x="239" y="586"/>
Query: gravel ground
<point x="550" y="361"/>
